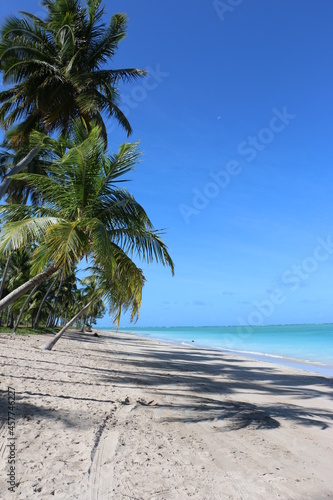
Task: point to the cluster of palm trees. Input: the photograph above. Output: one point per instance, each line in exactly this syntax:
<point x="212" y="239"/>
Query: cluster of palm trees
<point x="64" y="204"/>
<point x="48" y="304"/>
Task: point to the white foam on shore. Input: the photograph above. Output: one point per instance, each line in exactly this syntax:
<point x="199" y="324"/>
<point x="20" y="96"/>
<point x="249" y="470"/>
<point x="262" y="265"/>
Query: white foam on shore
<point x="311" y="366"/>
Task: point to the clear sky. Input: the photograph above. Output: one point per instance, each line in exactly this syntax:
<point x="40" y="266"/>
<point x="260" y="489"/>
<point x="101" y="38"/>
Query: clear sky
<point x="235" y="123"/>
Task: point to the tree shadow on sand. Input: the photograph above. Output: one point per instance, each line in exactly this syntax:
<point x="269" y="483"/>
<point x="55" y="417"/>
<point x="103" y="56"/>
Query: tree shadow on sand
<point x="235" y="415"/>
<point x="212" y="380"/>
<point x="25" y="410"/>
<point x="193" y="385"/>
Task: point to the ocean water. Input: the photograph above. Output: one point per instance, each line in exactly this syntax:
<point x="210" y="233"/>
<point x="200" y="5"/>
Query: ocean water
<point x="308" y="347"/>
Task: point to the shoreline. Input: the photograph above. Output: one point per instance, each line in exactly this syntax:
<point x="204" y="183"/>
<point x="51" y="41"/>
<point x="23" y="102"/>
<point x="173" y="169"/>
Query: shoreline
<point x="121" y="416"/>
<point x="310" y="366"/>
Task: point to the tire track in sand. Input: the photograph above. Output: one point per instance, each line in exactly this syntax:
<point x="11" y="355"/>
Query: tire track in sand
<point x="101" y="477"/>
<point x="101" y="470"/>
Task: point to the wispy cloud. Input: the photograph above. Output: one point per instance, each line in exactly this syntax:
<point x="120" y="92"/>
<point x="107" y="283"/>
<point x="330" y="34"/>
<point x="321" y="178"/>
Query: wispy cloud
<point x="199" y="303"/>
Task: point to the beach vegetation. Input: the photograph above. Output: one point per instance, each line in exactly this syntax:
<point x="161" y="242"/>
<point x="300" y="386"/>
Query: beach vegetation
<point x="63" y="200"/>
<point x="28" y="330"/>
<point x="57" y="69"/>
<point x="84" y="213"/>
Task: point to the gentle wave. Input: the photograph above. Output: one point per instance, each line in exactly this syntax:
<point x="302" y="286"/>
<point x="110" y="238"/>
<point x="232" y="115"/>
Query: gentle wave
<point x="307" y="345"/>
<point x="276" y="356"/>
<point x="258" y="353"/>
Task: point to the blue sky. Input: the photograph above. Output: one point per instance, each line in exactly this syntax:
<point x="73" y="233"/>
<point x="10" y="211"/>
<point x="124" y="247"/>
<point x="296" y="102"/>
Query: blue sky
<point x="235" y="128"/>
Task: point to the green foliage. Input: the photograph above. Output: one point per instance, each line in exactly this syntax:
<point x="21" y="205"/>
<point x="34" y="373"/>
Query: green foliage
<point x="57" y="68"/>
<point x="21" y="330"/>
<point x="68" y="205"/>
<point x="11" y="155"/>
<point x="86" y="213"/>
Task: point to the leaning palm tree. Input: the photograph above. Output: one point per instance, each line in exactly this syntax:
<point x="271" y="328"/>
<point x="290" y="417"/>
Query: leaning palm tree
<point x="4" y="267"/>
<point x="26" y="302"/>
<point x="123" y="292"/>
<point x="17" y="271"/>
<point x="42" y="302"/>
<point x="85" y="214"/>
<point x="18" y="191"/>
<point x="90" y="286"/>
<point x="64" y="299"/>
<point x="57" y="69"/>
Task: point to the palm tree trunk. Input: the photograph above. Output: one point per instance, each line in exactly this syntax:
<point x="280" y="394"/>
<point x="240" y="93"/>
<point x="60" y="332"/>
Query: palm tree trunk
<point x="24" y="306"/>
<point x="48" y="347"/>
<point x="48" y="320"/>
<point x="53" y="321"/>
<point x="8" y="314"/>
<point x="58" y="291"/>
<point x="27" y="286"/>
<point x="11" y="324"/>
<point x="17" y="169"/>
<point x="43" y="301"/>
<point x="4" y="275"/>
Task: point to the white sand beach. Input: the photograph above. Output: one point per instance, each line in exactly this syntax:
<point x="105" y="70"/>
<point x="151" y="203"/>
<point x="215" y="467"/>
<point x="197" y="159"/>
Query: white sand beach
<point x="119" y="417"/>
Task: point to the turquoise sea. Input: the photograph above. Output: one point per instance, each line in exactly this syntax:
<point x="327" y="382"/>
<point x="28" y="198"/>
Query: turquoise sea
<point x="308" y="347"/>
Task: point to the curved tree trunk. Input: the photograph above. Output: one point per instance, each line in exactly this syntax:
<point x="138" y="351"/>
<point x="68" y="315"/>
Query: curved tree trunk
<point x="27" y="286"/>
<point x="24" y="306"/>
<point x="8" y="315"/>
<point x="52" y="322"/>
<point x="4" y="275"/>
<point x="48" y="347"/>
<point x="48" y="321"/>
<point x="17" y="169"/>
<point x="43" y="301"/>
<point x="11" y="324"/>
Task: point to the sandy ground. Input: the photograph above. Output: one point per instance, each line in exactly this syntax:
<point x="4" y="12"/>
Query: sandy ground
<point x="119" y="417"/>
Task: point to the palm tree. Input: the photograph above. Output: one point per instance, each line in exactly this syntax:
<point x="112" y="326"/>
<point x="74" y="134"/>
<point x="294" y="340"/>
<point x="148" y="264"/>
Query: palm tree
<point x="4" y="268"/>
<point x="58" y="70"/>
<point x="90" y="287"/>
<point x="26" y="302"/>
<point x="4" y="264"/>
<point x="42" y="302"/>
<point x="123" y="292"/>
<point x="71" y="297"/>
<point x="64" y="299"/>
<point x="10" y="155"/>
<point x="16" y="272"/>
<point x="86" y="215"/>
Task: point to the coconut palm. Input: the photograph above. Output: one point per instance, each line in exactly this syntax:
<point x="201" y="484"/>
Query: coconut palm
<point x="42" y="302"/>
<point x="10" y="155"/>
<point x="57" y="69"/>
<point x="122" y="292"/>
<point x="90" y="286"/>
<point x="26" y="302"/>
<point x="16" y="272"/>
<point x="4" y="266"/>
<point x="85" y="214"/>
<point x="19" y="269"/>
<point x="64" y="299"/>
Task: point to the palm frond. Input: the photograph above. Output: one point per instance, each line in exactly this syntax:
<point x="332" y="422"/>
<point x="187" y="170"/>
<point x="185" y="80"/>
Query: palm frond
<point x="17" y="234"/>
